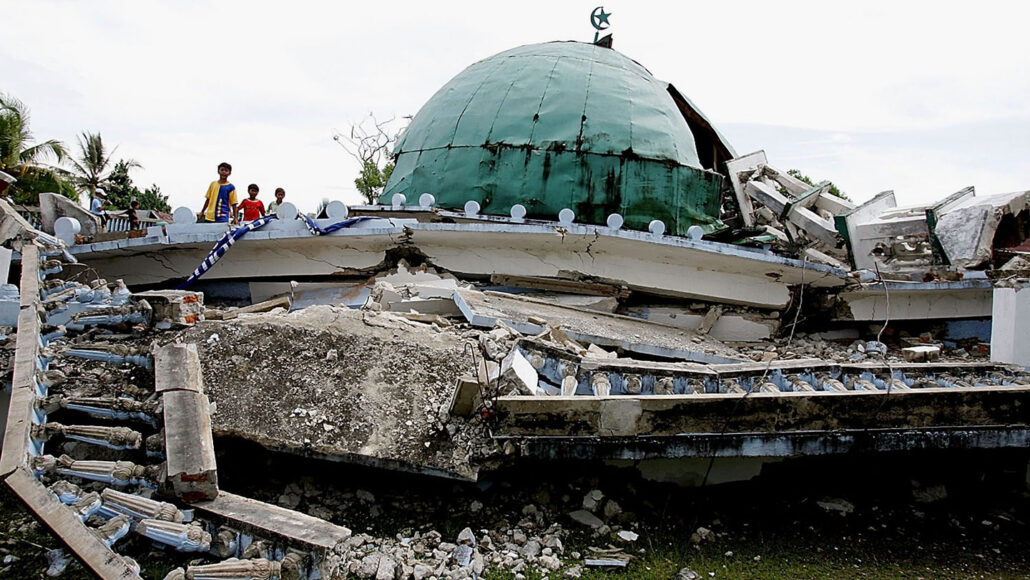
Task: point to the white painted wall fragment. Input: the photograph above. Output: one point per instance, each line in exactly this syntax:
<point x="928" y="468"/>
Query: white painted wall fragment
<point x="1010" y="339"/>
<point x="184" y="215"/>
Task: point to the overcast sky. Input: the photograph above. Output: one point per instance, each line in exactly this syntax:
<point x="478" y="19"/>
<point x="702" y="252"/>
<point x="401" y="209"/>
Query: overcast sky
<point x="921" y="97"/>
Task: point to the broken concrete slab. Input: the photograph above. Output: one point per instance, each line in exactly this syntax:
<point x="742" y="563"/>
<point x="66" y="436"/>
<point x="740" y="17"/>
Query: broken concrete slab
<point x="377" y="404"/>
<point x="732" y="274"/>
<point x="467" y="397"/>
<point x="518" y="375"/>
<point x="14" y="227"/>
<point x="587" y="326"/>
<point x="53" y="206"/>
<point x="967" y="231"/>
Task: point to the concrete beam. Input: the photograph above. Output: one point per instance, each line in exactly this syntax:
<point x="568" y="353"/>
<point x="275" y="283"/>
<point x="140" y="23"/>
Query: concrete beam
<point x="708" y="445"/>
<point x="29" y="285"/>
<point x="100" y="559"/>
<point x="264" y="519"/>
<point x="920" y="301"/>
<point x="663" y="415"/>
<point x="745" y="164"/>
<point x="23" y="393"/>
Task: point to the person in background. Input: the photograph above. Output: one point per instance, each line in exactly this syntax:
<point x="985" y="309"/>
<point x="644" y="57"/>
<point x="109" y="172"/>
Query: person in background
<point x="220" y="203"/>
<point x="133" y="218"/>
<point x="252" y="208"/>
<point x="96" y="204"/>
<point x="273" y="207"/>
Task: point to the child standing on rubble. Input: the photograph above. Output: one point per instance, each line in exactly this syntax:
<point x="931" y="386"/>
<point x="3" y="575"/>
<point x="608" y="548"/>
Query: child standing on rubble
<point x="220" y="203"/>
<point x="252" y="208"/>
<point x="273" y="207"/>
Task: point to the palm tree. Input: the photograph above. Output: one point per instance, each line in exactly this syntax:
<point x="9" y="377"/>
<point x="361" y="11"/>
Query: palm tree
<point x="20" y="157"/>
<point x="93" y="165"/>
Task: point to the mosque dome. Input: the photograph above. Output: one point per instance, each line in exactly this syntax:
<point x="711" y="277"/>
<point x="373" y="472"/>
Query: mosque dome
<point x="562" y="125"/>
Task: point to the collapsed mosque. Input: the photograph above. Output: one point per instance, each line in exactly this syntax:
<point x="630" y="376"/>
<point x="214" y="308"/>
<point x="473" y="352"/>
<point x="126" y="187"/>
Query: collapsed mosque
<point x="568" y="262"/>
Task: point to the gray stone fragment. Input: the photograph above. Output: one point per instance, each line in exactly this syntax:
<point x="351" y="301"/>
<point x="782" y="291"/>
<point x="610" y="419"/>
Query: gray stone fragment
<point x="462" y="555"/>
<point x="531" y="549"/>
<point x="586" y="518"/>
<point x="592" y="500"/>
<point x="387" y="568"/>
<point x="422" y="571"/>
<point x="58" y="560"/>
<point x="466" y="537"/>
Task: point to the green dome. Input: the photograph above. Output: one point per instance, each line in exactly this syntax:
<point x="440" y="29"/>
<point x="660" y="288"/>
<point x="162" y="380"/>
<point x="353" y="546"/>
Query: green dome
<point x="556" y="125"/>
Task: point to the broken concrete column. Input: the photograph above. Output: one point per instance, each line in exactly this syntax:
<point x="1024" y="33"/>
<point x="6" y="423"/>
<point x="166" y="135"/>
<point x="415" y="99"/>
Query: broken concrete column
<point x="189" y="446"/>
<point x="182" y="537"/>
<point x="233" y="568"/>
<point x="110" y="437"/>
<point x="139" y="507"/>
<point x="113" y="472"/>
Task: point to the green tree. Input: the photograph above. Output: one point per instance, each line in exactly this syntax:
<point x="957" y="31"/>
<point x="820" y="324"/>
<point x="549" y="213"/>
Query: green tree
<point x="833" y="190"/>
<point x="26" y="160"/>
<point x="152" y="198"/>
<point x="92" y="167"/>
<point x="121" y="190"/>
<point x="371" y="181"/>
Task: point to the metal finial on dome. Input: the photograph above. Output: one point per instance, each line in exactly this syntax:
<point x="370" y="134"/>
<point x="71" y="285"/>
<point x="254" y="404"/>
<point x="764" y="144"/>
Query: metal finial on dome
<point x="599" y="20"/>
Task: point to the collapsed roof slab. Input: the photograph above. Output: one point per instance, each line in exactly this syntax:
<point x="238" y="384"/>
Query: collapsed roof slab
<point x="337" y="384"/>
<point x="156" y="260"/>
<point x="663" y="265"/>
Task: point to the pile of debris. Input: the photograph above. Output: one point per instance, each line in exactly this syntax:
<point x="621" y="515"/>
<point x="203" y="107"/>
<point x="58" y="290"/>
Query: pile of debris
<point x="958" y="234"/>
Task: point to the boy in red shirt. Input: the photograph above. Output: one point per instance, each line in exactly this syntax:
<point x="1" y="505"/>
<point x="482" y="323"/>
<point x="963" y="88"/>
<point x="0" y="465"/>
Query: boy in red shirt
<point x="252" y="208"/>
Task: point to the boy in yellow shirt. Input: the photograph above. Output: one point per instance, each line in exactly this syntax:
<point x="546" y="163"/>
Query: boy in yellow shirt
<point x="220" y="203"/>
